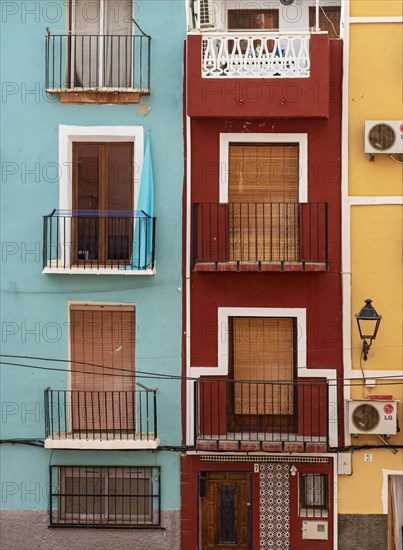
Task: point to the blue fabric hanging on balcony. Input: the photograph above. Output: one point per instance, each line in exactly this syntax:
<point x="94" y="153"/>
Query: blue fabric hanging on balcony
<point x="142" y="254"/>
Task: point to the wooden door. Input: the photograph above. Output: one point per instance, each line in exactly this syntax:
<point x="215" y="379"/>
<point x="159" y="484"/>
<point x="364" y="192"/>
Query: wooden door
<point x="263" y="202"/>
<point x="262" y="367"/>
<point x="225" y="507"/>
<point x="102" y="399"/>
<point x="329" y="20"/>
<point x="252" y="19"/>
<point x="102" y="232"/>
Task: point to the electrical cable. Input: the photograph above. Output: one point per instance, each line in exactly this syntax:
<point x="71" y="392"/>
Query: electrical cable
<point x="178" y="377"/>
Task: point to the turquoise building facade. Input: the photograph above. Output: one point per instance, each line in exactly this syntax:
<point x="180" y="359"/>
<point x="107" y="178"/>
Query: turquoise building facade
<point x="51" y="134"/>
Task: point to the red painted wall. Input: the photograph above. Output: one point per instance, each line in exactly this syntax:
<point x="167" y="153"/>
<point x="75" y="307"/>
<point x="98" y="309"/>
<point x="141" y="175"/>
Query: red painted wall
<point x="320" y="293"/>
<point x="191" y="466"/>
<point x="261" y="97"/>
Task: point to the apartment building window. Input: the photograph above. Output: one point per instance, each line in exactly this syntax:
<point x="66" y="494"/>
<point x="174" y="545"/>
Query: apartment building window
<point x="105" y="496"/>
<point x="314" y="495"/>
<point x="263" y="194"/>
<point x="101" y="46"/>
<point x="102" y="350"/>
<point x="262" y="367"/>
<point x="102" y="231"/>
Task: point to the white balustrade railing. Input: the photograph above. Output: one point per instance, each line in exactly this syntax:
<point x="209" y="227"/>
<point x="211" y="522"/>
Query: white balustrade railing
<point x="252" y="55"/>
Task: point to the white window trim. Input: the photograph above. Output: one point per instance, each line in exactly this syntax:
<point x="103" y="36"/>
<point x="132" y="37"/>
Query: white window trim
<point x="224" y="313"/>
<point x="226" y="139"/>
<point x="70" y="134"/>
<point x="385" y="490"/>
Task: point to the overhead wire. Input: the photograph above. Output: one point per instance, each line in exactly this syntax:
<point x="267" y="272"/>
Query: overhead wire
<point x="162" y="376"/>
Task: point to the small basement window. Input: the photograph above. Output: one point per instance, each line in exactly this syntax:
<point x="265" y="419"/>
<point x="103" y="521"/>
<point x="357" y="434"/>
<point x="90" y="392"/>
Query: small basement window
<point x="105" y="496"/>
<point x="314" y="495"/>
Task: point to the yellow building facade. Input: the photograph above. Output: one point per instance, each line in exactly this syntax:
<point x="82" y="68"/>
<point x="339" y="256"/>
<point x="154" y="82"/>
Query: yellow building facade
<point x="370" y="485"/>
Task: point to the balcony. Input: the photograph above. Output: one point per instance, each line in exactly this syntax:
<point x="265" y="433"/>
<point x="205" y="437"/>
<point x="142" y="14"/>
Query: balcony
<point x="112" y="420"/>
<point x="248" y="55"/>
<point x="94" y="242"/>
<point x="98" y="68"/>
<point x="258" y="74"/>
<point x="233" y="415"/>
<point x="260" y="237"/>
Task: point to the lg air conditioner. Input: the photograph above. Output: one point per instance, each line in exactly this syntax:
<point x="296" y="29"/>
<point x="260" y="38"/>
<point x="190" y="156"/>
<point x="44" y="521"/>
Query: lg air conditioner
<point x="384" y="136"/>
<point x="367" y="416"/>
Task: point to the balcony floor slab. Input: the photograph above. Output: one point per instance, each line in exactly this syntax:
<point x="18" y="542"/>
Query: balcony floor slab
<point x="260" y="266"/>
<point x="102" y="444"/>
<point x="94" y="271"/>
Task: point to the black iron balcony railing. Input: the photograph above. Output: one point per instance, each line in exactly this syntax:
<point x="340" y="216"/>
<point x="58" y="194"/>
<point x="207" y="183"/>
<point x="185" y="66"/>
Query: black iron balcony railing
<point x="113" y="240"/>
<point x="232" y="410"/>
<point x="101" y="415"/>
<point x="96" y="62"/>
<point x="261" y="233"/>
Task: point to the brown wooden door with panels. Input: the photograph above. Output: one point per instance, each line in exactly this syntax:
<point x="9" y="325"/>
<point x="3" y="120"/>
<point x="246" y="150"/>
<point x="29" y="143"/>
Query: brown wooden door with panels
<point x="329" y="19"/>
<point x="102" y="398"/>
<point x="225" y="507"/>
<point x="252" y="20"/>
<point x="263" y="369"/>
<point x="102" y="187"/>
<point x="263" y="202"/>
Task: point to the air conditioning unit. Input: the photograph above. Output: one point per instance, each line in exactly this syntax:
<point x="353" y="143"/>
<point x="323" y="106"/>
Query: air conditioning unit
<point x="367" y="416"/>
<point x="384" y="136"/>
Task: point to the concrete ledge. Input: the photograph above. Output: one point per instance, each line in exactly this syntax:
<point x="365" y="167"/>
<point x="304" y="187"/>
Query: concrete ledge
<point x="94" y="271"/>
<point x="103" y="444"/>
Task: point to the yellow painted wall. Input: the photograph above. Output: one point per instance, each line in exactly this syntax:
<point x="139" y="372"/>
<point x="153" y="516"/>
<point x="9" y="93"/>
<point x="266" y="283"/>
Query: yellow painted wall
<point x="367" y="8"/>
<point x="377" y="273"/>
<point x="376" y="73"/>
<point x="361" y="493"/>
<point x="375" y="76"/>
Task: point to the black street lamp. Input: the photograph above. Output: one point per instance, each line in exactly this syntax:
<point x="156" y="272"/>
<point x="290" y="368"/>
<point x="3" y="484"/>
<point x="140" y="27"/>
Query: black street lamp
<point x="368" y="322"/>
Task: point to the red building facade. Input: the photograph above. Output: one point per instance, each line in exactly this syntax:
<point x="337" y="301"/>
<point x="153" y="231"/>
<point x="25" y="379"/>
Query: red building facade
<point x="262" y="300"/>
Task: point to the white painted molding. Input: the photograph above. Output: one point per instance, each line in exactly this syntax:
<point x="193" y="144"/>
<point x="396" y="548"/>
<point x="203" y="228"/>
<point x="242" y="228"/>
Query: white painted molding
<point x="239" y="137"/>
<point x="53" y="270"/>
<point x="189" y="383"/>
<point x="374" y="200"/>
<point x="345" y="213"/>
<point x="376" y="19"/>
<point x="386" y="474"/>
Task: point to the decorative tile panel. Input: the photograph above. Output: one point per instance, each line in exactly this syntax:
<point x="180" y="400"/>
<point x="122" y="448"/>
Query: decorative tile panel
<point x="274" y="509"/>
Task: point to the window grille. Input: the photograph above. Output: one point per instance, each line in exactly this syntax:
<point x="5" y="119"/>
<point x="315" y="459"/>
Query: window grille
<point x="104" y="496"/>
<point x="314" y="495"/>
<point x="207" y="15"/>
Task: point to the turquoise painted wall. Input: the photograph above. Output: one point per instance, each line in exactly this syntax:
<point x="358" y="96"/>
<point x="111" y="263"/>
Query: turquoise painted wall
<point x="34" y="306"/>
<point x="25" y="481"/>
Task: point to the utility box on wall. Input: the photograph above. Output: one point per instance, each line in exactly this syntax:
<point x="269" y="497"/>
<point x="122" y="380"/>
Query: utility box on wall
<point x="314" y="530"/>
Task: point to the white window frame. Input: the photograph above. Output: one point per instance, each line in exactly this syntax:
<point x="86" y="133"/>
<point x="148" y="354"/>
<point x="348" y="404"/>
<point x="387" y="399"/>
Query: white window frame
<point x="224" y="315"/>
<point x="227" y="138"/>
<point x="101" y="134"/>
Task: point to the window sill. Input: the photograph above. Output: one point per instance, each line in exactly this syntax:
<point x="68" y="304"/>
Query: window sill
<point x="102" y="444"/>
<point x="102" y="96"/>
<point x="94" y="271"/>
